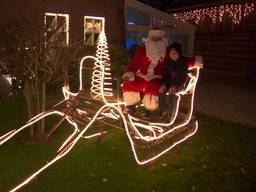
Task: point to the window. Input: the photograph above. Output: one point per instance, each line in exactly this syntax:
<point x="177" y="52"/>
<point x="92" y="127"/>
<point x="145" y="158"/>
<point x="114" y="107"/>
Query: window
<point x="137" y="17"/>
<point x="92" y="28"/>
<point x="134" y="38"/>
<point x="56" y="28"/>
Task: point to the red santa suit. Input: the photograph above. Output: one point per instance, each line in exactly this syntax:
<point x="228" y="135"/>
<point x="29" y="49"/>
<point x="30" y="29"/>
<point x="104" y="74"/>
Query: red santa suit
<point x="145" y="77"/>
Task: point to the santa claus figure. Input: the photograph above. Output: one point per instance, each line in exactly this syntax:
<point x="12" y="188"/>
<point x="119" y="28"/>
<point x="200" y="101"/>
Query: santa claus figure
<point x="143" y="74"/>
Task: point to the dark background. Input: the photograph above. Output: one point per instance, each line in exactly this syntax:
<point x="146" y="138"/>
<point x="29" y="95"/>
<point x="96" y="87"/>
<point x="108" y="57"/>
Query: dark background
<point x="173" y="4"/>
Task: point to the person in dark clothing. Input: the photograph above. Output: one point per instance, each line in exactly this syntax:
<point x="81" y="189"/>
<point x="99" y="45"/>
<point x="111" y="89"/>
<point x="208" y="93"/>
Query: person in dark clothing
<point x="173" y="78"/>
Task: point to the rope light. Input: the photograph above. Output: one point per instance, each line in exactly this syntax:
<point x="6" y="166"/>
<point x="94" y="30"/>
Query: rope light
<point x="236" y="12"/>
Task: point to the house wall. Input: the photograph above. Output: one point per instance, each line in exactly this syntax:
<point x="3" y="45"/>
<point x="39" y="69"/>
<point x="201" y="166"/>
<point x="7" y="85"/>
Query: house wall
<point x="228" y="53"/>
<point x="228" y="48"/>
<point x="33" y="12"/>
<point x="227" y="26"/>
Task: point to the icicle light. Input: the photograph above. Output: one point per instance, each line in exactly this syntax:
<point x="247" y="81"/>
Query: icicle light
<point x="237" y="12"/>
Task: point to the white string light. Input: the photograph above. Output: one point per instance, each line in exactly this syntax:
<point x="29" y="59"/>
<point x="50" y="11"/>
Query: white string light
<point x="135" y="129"/>
<point x="236" y="12"/>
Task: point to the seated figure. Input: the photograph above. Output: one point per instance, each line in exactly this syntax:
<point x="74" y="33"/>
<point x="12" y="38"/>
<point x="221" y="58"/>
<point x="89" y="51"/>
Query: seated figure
<point x="173" y="78"/>
<point x="144" y="72"/>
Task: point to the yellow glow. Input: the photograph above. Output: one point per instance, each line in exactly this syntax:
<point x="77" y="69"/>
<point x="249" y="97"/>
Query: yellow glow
<point x="102" y="19"/>
<point x="93" y="25"/>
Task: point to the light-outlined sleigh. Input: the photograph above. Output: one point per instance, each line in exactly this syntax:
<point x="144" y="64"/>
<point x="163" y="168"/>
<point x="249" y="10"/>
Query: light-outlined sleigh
<point x="96" y="105"/>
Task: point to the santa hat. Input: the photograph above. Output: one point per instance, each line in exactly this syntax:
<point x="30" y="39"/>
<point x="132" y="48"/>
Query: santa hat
<point x="156" y="32"/>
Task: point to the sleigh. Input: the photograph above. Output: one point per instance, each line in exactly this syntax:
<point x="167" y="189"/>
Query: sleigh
<point x="95" y="106"/>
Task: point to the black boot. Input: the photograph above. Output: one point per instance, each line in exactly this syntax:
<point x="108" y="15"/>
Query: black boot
<point x="130" y="109"/>
<point x="149" y="115"/>
<point x="161" y="114"/>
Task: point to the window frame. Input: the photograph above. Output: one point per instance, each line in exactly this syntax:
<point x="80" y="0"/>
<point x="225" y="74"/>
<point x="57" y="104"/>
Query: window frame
<point x="56" y="16"/>
<point x="93" y="32"/>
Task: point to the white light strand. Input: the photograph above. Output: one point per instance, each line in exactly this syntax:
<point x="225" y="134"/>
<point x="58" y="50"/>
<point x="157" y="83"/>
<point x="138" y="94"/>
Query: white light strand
<point x="158" y="127"/>
<point x="235" y="11"/>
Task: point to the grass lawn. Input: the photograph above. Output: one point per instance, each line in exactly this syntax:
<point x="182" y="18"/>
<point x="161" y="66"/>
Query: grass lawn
<point x="220" y="157"/>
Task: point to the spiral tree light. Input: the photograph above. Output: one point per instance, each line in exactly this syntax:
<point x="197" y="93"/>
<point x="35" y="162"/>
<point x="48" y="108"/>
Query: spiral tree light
<point x="103" y="56"/>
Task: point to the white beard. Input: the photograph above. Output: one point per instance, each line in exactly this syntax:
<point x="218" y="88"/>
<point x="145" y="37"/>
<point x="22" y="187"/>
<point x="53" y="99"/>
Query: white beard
<point x="156" y="51"/>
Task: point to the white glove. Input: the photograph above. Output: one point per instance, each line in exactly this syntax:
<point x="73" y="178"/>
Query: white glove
<point x="128" y="76"/>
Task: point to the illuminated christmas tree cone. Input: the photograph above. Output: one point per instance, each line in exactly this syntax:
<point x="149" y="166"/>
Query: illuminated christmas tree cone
<point x="102" y="55"/>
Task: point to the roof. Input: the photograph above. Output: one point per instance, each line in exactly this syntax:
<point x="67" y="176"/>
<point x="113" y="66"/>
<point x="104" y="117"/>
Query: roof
<point x="181" y="26"/>
<point x="165" y="5"/>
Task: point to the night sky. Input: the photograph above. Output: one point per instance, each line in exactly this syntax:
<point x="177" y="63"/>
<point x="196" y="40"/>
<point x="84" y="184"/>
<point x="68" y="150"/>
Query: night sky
<point x="168" y="4"/>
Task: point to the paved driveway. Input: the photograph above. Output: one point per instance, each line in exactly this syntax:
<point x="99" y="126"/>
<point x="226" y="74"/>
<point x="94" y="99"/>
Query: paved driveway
<point x="228" y="102"/>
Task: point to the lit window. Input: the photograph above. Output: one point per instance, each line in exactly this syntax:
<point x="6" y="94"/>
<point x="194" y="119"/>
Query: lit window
<point x="92" y="28"/>
<point x="56" y="28"/>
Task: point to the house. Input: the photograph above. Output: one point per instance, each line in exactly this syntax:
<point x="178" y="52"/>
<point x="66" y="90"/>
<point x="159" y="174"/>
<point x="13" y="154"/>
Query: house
<point x="125" y="22"/>
<point x="77" y="18"/>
